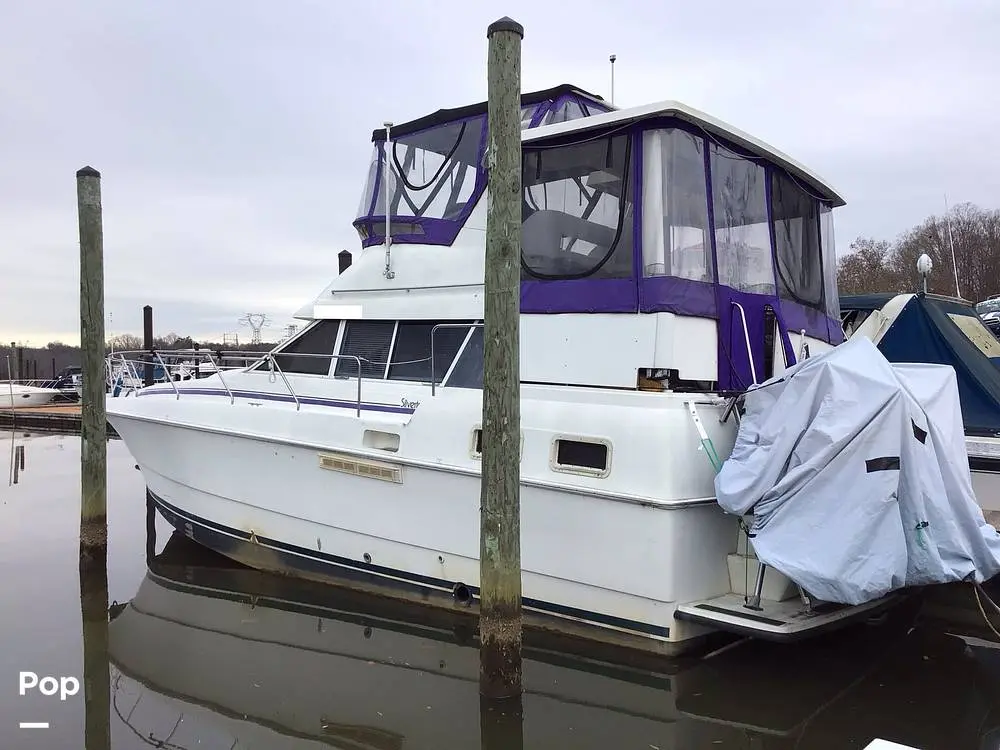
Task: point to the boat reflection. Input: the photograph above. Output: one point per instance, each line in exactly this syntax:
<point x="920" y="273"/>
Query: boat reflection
<point x="214" y="653"/>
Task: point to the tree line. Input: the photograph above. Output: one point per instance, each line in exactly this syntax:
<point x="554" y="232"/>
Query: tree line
<point x="882" y="266"/>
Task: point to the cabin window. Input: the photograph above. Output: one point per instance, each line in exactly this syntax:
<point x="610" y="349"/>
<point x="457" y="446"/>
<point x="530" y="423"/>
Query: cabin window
<point x="310" y="352"/>
<point x="411" y="354"/>
<point x="468" y="372"/>
<point x="580" y="456"/>
<point x="676" y="234"/>
<point x="369" y="340"/>
<point x="797" y="251"/>
<point x="828" y="244"/>
<point x="576" y="211"/>
<point x="742" y="232"/>
<point x="567" y="110"/>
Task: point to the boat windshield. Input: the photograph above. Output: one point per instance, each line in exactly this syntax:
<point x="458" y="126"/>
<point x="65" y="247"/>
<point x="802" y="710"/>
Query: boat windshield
<point x="436" y="172"/>
<point x="433" y="175"/>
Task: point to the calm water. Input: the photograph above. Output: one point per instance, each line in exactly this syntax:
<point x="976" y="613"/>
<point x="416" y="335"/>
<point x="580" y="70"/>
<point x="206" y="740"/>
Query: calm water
<point x="206" y="654"/>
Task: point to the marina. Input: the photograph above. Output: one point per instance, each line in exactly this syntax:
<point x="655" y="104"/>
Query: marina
<point x="205" y="651"/>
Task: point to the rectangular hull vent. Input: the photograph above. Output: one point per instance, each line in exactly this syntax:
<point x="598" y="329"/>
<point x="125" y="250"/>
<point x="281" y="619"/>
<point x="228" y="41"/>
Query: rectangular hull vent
<point x="361" y="467"/>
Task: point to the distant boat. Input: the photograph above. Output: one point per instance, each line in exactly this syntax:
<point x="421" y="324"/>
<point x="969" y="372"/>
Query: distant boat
<point x="13" y="395"/>
<point x="946" y="331"/>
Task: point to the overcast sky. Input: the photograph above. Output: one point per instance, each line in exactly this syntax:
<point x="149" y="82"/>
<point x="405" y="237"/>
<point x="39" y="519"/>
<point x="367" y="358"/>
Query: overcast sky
<point x="233" y="136"/>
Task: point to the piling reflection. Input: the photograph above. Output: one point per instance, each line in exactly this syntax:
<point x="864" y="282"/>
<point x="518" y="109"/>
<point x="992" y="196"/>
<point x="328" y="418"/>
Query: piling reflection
<point x="501" y="724"/>
<point x="212" y="653"/>
<point x="96" y="668"/>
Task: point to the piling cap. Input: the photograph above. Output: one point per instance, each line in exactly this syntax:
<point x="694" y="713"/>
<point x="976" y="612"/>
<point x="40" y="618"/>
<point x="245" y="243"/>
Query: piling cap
<point x="88" y="172"/>
<point x="505" y="24"/>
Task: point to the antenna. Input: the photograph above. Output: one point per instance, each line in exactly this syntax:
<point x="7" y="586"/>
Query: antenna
<point x="612" y="59"/>
<point x="256" y="321"/>
<point x="951" y="241"/>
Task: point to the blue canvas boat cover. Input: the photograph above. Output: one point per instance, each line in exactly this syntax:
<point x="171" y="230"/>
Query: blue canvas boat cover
<point x="856" y="472"/>
<point x="945" y="331"/>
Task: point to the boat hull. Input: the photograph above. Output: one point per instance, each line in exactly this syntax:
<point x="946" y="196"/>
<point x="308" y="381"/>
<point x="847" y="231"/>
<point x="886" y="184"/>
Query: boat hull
<point x="20" y="396"/>
<point x="603" y="570"/>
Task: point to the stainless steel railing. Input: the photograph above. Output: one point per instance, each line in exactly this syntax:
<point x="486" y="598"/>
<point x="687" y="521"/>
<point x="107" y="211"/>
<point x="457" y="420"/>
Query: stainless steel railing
<point x="126" y="369"/>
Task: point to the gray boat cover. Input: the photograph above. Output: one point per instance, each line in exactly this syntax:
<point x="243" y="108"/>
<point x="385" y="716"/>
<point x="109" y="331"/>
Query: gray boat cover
<point x="856" y="472"/>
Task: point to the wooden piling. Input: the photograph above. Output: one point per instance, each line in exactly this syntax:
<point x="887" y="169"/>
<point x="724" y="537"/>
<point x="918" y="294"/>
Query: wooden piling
<point x="500" y="525"/>
<point x="96" y="667"/>
<point x="147" y="344"/>
<point x="93" y="428"/>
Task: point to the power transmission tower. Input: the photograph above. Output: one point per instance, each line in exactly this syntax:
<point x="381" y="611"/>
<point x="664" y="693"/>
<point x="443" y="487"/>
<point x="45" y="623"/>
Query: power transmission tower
<point x="231" y="339"/>
<point x="290" y="330"/>
<point x="256" y="322"/>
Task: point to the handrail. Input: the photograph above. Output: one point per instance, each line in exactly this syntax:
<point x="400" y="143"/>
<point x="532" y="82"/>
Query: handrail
<point x="272" y="363"/>
<point x="167" y="370"/>
<point x="433" y="331"/>
<point x="269" y="357"/>
<point x="746" y="337"/>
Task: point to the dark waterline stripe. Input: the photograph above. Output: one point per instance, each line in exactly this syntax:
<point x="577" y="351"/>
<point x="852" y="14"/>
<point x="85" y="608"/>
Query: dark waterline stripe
<point x="294" y="554"/>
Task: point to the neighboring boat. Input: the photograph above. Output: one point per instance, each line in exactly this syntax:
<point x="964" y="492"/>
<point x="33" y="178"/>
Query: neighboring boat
<point x="948" y="331"/>
<point x="15" y="395"/>
<point x="669" y="262"/>
<point x="69" y="383"/>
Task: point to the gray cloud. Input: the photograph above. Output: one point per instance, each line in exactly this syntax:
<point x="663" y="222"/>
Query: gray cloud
<point x="233" y="136"/>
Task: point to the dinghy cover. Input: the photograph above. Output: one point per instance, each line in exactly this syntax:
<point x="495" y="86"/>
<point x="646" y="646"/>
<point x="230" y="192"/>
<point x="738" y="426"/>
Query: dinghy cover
<point x="856" y="472"/>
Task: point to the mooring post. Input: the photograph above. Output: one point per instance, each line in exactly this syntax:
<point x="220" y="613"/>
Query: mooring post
<point x="96" y="667"/>
<point x="500" y="523"/>
<point x="93" y="428"/>
<point x="20" y="364"/>
<point x="147" y="344"/>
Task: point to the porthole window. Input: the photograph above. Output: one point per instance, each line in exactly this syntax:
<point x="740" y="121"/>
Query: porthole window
<point x="581" y="456"/>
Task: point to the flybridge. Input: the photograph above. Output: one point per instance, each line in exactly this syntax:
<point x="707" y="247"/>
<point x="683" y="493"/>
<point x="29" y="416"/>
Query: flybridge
<point x="660" y="210"/>
<point x="437" y="169"/>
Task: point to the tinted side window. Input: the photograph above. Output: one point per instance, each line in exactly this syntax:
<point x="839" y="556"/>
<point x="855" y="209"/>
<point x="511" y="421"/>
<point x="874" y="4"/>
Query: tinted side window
<point x="369" y="340"/>
<point x="468" y="372"/>
<point x="318" y="339"/>
<point x="411" y="354"/>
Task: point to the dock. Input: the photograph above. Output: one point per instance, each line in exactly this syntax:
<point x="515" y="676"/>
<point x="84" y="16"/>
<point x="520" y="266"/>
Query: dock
<point x="48" y="418"/>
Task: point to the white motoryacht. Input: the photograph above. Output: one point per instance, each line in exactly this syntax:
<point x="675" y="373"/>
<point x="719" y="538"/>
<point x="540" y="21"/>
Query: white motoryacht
<point x="669" y="262"/>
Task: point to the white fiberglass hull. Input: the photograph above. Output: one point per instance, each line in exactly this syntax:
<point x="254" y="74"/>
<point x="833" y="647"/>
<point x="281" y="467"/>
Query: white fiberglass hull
<point x="25" y="395"/>
<point x="246" y="479"/>
<point x="984" y="461"/>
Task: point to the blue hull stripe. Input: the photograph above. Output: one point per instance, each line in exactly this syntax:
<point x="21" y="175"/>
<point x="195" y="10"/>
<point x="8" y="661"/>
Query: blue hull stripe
<point x="282" y="397"/>
<point x="218" y="537"/>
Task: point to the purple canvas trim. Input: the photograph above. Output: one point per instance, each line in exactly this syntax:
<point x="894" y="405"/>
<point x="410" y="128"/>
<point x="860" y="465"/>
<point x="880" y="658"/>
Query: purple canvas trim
<point x="786" y="341"/>
<point x="735" y="372"/>
<point x="677" y="295"/>
<point x="433" y="231"/>
<point x="539" y="113"/>
<point x="281" y="397"/>
<point x="815" y="322"/>
<point x="579" y="296"/>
